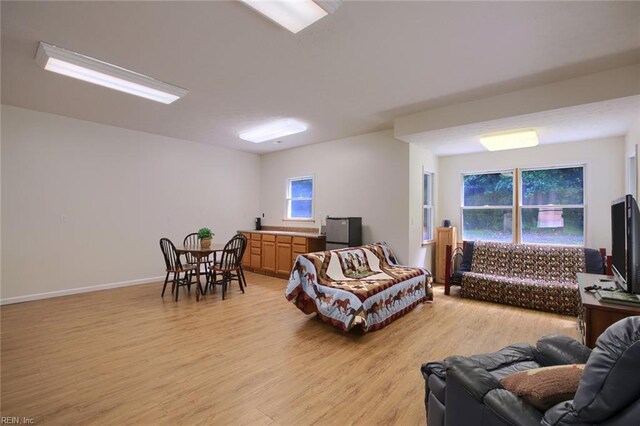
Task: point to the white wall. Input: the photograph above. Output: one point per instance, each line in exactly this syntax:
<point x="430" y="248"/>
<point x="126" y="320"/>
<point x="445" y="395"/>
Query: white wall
<point x="1" y="208"/>
<point x="364" y="176"/>
<point x="92" y="199"/>
<point x="632" y="148"/>
<point x="604" y="178"/>
<point x="421" y="160"/>
<point x="85" y="204"/>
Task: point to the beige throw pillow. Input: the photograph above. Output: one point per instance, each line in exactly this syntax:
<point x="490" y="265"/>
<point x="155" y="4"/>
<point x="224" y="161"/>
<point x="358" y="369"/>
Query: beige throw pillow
<point x="545" y="387"/>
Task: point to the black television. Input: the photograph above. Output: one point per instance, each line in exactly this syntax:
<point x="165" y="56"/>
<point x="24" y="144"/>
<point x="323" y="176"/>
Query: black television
<point x="625" y="243"/>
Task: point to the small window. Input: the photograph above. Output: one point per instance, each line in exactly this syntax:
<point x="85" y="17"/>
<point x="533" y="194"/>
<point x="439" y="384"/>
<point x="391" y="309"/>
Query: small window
<point x="552" y="206"/>
<point x="487" y="206"/>
<point x="427" y="211"/>
<point x="300" y="198"/>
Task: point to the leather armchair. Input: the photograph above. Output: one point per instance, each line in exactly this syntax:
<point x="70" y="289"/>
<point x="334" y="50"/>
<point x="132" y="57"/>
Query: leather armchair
<point x="467" y="390"/>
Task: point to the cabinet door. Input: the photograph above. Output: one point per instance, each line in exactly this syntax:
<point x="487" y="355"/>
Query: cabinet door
<point x="444" y="237"/>
<point x="256" y="258"/>
<point x="283" y="257"/>
<point x="269" y="255"/>
<point x="296" y="250"/>
<point x="255" y="248"/>
<point x="283" y="254"/>
<point x="246" y="257"/>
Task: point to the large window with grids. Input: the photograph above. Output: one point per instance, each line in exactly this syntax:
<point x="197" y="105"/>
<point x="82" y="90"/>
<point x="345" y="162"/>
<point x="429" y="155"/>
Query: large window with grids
<point x="300" y="198"/>
<point x="535" y="206"/>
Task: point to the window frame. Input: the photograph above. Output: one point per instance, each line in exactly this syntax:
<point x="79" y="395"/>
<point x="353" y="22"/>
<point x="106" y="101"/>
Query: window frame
<point x="517" y="207"/>
<point x="583" y="206"/>
<point x="632" y="171"/>
<point x="429" y="205"/>
<point x="512" y="206"/>
<point x="288" y="198"/>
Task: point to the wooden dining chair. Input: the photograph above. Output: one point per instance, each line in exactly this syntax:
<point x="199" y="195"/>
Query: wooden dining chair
<point x="239" y="275"/>
<point x="229" y="266"/>
<point x="244" y="248"/>
<point x="175" y="267"/>
<point x="205" y="262"/>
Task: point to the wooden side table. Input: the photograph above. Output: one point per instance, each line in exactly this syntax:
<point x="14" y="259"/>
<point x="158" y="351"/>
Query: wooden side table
<point x="596" y="316"/>
<point x="444" y="236"/>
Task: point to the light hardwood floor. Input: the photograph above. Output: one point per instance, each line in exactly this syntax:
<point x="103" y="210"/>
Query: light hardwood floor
<point x="126" y="356"/>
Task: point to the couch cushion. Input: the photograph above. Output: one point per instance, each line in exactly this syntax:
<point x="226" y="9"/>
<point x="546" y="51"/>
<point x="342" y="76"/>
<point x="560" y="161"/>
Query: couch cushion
<point x="512" y="354"/>
<point x="507" y="370"/>
<point x="549" y="263"/>
<point x="549" y="296"/>
<point x="547" y="386"/>
<point x="559" y="349"/>
<point x="467" y="257"/>
<point x="594" y="263"/>
<point x="538" y="282"/>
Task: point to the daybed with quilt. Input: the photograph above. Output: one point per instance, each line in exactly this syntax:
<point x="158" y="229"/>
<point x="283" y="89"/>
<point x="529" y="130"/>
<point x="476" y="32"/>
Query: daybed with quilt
<point x="357" y="287"/>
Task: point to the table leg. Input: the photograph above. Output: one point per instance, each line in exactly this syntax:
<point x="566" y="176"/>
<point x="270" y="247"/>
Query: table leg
<point x="198" y="280"/>
<point x="213" y="273"/>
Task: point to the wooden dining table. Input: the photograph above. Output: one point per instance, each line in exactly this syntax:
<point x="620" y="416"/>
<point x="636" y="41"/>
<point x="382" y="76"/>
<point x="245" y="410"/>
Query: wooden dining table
<point x="200" y="253"/>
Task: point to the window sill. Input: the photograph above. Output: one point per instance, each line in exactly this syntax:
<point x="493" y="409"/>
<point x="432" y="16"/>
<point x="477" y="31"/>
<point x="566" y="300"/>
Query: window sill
<point x="298" y="220"/>
<point x="428" y="243"/>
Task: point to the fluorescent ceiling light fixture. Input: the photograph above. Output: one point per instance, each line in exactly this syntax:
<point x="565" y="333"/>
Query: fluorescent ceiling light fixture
<point x="75" y="65"/>
<point x="513" y="140"/>
<point x="294" y="15"/>
<point x="273" y="130"/>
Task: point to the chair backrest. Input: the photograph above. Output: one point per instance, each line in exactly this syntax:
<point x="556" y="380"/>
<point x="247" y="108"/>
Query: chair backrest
<point x="191" y="240"/>
<point x="244" y="245"/>
<point x="233" y="250"/>
<point x="171" y="258"/>
<point x="456" y="259"/>
<point x="610" y="383"/>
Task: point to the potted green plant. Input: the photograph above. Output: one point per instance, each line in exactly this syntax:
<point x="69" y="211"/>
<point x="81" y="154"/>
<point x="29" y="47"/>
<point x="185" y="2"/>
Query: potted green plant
<point x="205" y="235"/>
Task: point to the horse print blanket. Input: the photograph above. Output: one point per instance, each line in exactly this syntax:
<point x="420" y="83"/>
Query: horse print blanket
<point x="357" y="287"/>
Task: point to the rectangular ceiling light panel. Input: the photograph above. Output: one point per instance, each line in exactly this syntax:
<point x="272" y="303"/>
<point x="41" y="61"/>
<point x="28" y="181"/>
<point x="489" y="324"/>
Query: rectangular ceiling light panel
<point x="294" y="15"/>
<point x="91" y="70"/>
<point x="513" y="140"/>
<point x="273" y="130"/>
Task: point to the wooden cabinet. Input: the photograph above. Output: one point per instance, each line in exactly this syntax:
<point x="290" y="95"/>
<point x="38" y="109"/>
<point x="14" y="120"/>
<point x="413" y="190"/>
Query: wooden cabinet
<point x="255" y="247"/>
<point x="274" y="253"/>
<point x="597" y="316"/>
<point x="269" y="253"/>
<point x="298" y="246"/>
<point x="283" y="254"/>
<point x="444" y="237"/>
<point x="246" y="257"/>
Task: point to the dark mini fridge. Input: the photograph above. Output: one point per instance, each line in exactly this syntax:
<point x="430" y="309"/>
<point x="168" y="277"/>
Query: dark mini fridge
<point x="344" y="232"/>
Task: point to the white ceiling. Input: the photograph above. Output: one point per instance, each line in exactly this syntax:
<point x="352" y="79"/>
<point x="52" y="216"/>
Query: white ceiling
<point x="350" y="73"/>
<point x="583" y="122"/>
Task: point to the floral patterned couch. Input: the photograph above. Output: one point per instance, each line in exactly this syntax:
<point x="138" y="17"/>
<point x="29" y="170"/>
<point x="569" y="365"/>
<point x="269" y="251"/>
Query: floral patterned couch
<point x="531" y="276"/>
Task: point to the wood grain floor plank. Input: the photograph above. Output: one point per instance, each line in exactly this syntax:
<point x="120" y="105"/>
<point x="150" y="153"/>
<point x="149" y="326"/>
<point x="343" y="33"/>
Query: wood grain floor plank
<point x="126" y="356"/>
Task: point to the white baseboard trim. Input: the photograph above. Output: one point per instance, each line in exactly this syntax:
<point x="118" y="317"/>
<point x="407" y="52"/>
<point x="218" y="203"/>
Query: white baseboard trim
<point x="58" y="293"/>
